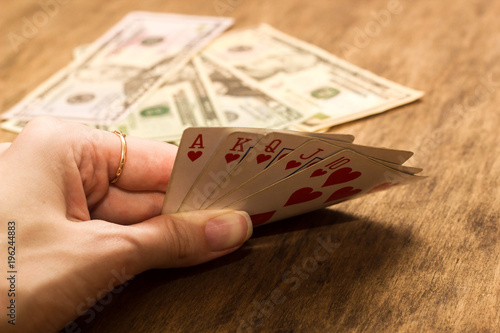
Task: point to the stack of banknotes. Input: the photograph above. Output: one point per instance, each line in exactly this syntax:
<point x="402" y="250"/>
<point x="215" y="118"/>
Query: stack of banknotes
<point x="153" y="75"/>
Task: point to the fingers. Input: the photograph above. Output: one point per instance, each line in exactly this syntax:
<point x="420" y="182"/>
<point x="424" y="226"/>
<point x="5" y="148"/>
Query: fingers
<point x="77" y="162"/>
<point x="91" y="158"/>
<point x="126" y="207"/>
<point x="190" y="238"/>
<point x="148" y="164"/>
<point x="97" y="154"/>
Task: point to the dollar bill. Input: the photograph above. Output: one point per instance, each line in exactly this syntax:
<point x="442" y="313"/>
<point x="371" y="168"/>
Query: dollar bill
<point x="244" y="104"/>
<point x="185" y="100"/>
<point x="13" y="125"/>
<point x="121" y="68"/>
<point x="308" y="77"/>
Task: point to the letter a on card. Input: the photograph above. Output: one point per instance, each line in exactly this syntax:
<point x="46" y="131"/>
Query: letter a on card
<point x="196" y="148"/>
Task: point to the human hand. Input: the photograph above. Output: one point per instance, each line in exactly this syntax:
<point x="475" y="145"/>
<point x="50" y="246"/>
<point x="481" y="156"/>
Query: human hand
<point x="74" y="232"/>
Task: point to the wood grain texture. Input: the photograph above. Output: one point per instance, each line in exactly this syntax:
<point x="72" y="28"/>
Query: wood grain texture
<point x="424" y="257"/>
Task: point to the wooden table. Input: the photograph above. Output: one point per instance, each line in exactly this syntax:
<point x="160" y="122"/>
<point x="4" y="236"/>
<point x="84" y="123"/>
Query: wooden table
<point x="424" y="257"/>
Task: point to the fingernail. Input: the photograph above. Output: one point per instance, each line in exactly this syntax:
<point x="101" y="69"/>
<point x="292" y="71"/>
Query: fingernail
<point x="228" y="230"/>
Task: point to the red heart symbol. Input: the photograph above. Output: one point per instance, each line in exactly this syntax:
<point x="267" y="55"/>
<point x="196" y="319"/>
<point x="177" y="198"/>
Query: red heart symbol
<point x="292" y="164"/>
<point x="262" y="158"/>
<point x="341" y="176"/>
<point x="317" y="173"/>
<point x="302" y="195"/>
<point x="231" y="157"/>
<point x="258" y="219"/>
<point x="343" y="193"/>
<point x="279" y="158"/>
<point x="194" y="155"/>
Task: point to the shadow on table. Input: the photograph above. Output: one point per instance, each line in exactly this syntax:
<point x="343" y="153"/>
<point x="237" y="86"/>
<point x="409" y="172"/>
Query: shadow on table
<point x="166" y="297"/>
<point x="316" y="219"/>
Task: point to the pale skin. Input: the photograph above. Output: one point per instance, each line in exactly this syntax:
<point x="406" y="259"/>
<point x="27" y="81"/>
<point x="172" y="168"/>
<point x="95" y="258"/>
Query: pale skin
<point x="76" y="232"/>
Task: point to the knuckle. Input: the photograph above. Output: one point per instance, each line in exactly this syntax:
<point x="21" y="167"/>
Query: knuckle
<point x="43" y="124"/>
<point x="44" y="131"/>
<point x="178" y="239"/>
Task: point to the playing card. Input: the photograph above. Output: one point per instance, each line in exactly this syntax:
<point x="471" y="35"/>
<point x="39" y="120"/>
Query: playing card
<point x="269" y="149"/>
<point x="195" y="150"/>
<point x="342" y="176"/>
<point x="274" y="174"/>
<point x="309" y="153"/>
<point x="229" y="153"/>
<point x="347" y="138"/>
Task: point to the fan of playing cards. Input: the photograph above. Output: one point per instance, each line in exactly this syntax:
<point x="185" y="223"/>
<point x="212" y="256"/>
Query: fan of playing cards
<point x="275" y="174"/>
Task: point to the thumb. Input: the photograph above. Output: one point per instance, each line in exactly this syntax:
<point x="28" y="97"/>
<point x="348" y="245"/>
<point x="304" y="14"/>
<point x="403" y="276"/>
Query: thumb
<point x="190" y="238"/>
